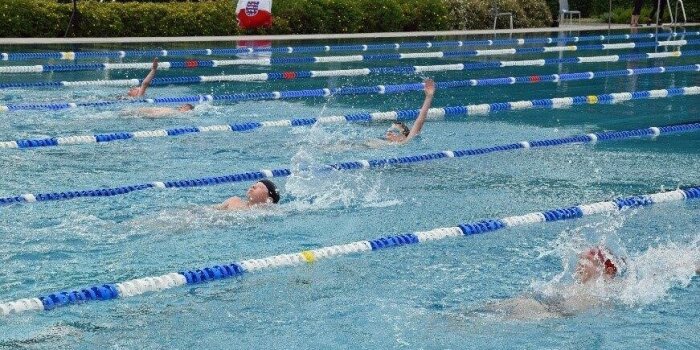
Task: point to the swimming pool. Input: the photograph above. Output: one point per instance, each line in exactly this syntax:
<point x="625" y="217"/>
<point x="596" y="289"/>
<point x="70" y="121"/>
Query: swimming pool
<point x="427" y="296"/>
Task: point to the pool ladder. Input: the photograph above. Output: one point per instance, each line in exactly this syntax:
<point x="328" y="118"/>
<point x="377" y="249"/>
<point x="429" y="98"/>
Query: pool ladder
<point x="673" y="14"/>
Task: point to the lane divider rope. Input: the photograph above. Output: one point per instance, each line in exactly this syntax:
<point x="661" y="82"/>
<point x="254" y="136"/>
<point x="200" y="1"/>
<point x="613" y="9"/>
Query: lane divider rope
<point x="291" y="75"/>
<point x="351" y="165"/>
<point x="74" y="55"/>
<point x="400" y="115"/>
<point x="134" y="287"/>
<point x="335" y="59"/>
<point x="356" y="90"/>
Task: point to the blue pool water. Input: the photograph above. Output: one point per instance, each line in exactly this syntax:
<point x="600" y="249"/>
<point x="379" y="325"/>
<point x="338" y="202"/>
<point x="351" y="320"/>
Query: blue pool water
<point x="437" y="295"/>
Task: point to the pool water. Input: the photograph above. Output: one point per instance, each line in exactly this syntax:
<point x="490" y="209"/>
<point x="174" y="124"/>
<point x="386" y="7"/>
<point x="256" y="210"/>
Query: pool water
<point x="423" y="296"/>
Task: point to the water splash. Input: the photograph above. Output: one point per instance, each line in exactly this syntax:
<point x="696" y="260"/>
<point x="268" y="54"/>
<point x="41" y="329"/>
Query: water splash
<point x="315" y="186"/>
<point x="645" y="276"/>
<point x="653" y="273"/>
<point x="185" y="220"/>
<point x="572" y="241"/>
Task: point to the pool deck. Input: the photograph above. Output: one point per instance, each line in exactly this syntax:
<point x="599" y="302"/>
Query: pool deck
<point x="563" y="28"/>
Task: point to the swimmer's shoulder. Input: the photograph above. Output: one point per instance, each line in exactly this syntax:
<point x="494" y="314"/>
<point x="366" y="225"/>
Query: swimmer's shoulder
<point x="233" y="203"/>
<point x="380" y="143"/>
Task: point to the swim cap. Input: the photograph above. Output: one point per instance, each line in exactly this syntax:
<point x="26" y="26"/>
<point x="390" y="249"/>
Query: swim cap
<point x="271" y="190"/>
<point x="605" y="258"/>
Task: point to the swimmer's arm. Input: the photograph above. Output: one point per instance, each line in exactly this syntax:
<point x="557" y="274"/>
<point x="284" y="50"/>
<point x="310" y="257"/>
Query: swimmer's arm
<point x="146" y="112"/>
<point x="158" y="112"/>
<point x="147" y="80"/>
<point x="418" y="125"/>
<point x="128" y="112"/>
<point x="376" y="143"/>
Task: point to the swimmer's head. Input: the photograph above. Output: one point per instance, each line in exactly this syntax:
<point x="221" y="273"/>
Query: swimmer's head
<point x="594" y="263"/>
<point x="263" y="191"/>
<point x="398" y="132"/>
<point x="185" y="108"/>
<point x="133" y="92"/>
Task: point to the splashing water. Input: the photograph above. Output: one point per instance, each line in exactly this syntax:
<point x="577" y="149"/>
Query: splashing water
<point x="184" y="220"/>
<point x="315" y="186"/>
<point x="654" y="272"/>
<point x="572" y="241"/>
<point x="644" y="278"/>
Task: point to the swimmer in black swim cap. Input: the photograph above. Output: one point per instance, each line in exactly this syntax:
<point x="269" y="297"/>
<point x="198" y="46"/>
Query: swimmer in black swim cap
<point x="272" y="192"/>
<point x="263" y="192"/>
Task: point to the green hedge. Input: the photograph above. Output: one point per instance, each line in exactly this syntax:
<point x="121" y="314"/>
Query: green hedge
<point x="589" y="8"/>
<point x="49" y="18"/>
<point x="154" y="19"/>
<point x="624" y="15"/>
<point x="621" y="9"/>
<point x="477" y="14"/>
<point x="35" y="18"/>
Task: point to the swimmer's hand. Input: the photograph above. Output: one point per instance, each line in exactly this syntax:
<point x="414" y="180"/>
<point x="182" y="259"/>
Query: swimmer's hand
<point x="429" y="87"/>
<point x="155" y="63"/>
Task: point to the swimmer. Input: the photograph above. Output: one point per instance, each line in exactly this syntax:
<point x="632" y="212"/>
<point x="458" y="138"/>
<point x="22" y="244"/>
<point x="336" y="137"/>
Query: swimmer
<point x="261" y="193"/>
<point x="399" y="132"/>
<point x="158" y="112"/>
<point x="596" y="268"/>
<point x="594" y="264"/>
<point x="139" y="91"/>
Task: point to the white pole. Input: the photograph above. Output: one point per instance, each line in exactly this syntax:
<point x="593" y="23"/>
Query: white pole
<point x="658" y="9"/>
<point x="609" y="16"/>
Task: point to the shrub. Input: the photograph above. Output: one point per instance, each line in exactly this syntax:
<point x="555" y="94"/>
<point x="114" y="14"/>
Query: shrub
<point x="45" y="18"/>
<point x="384" y="16"/>
<point x="621" y="9"/>
<point x="624" y="14"/>
<point x="590" y="8"/>
<point x="425" y="15"/>
<point x="22" y="18"/>
<point x="317" y="16"/>
<point x="476" y="14"/>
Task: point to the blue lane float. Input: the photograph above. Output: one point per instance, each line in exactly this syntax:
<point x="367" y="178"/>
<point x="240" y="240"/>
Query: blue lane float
<point x="352" y="58"/>
<point x="74" y="55"/>
<point x="366" y="117"/>
<point x="134" y="287"/>
<point x="351" y="165"/>
<point x="356" y="90"/>
<point x="401" y="70"/>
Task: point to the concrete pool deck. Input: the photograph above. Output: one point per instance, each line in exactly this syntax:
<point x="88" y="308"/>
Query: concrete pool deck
<point x="563" y="28"/>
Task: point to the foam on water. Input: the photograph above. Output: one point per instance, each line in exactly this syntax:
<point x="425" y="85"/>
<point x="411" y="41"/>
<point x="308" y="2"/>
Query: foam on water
<point x="184" y="220"/>
<point x="652" y="274"/>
